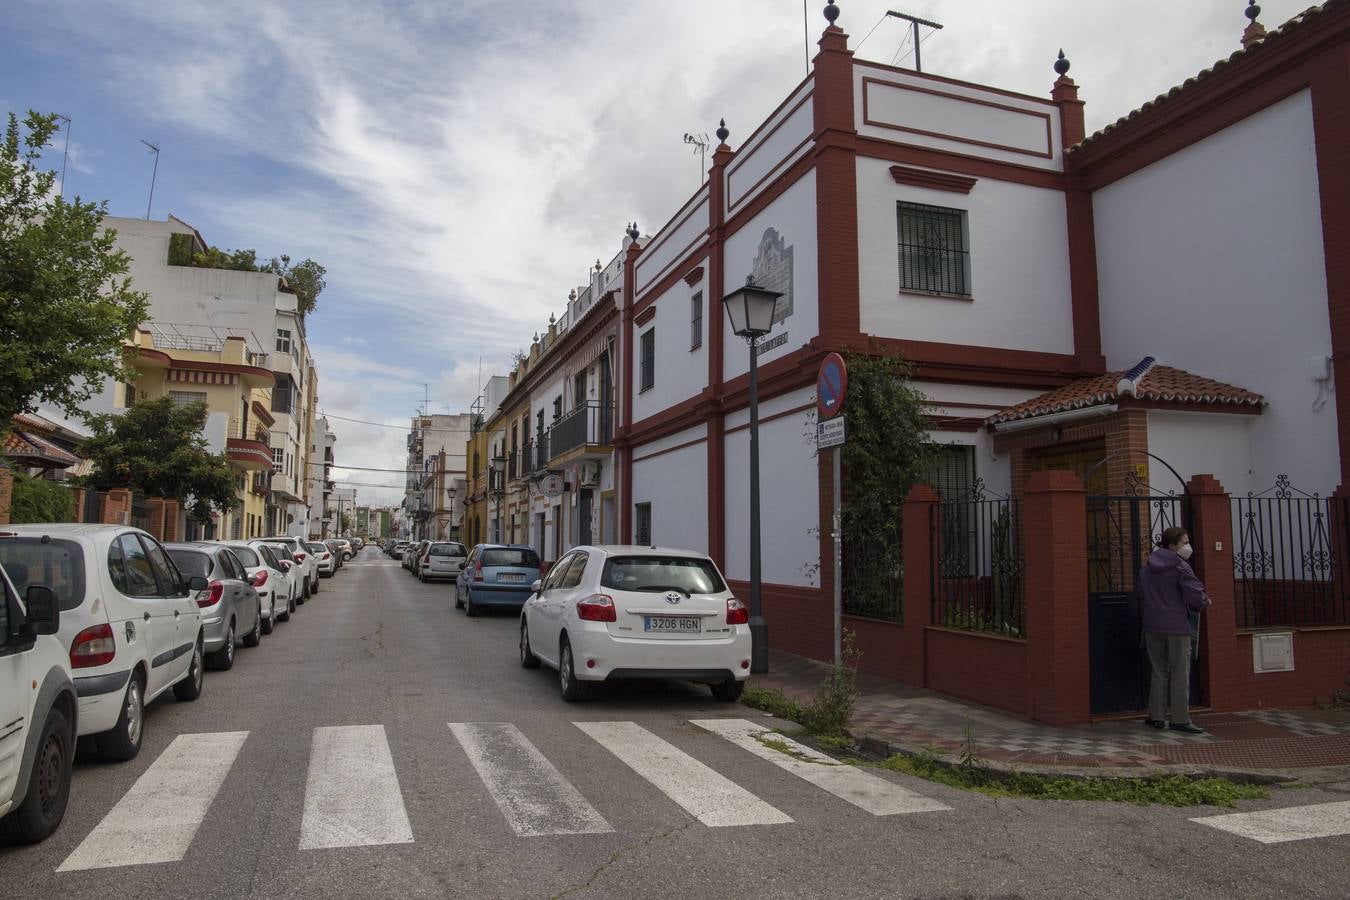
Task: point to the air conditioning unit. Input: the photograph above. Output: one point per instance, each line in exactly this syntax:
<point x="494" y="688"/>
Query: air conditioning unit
<point x="589" y="475"/>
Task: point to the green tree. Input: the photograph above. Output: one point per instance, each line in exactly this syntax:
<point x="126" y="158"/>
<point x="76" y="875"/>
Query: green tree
<point x="305" y="279"/>
<point x="888" y="451"/>
<point x="39" y="500"/>
<point x="66" y="307"/>
<point x="157" y="449"/>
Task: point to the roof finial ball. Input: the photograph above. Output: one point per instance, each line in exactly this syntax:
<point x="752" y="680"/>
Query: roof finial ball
<point x="1255" y="31"/>
<point x="722" y="132"/>
<point x="831" y="11"/>
<point x="633" y="231"/>
<point x="1252" y="10"/>
<point x="1061" y="64"/>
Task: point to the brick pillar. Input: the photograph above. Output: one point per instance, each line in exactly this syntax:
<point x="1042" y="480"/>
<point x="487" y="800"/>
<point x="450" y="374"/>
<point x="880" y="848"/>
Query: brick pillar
<point x="171" y="512"/>
<point x="1221" y="663"/>
<point x="79" y="495"/>
<point x="921" y="522"/>
<point x="156" y="506"/>
<point x="1055" y="510"/>
<point x="116" y="507"/>
<point x="6" y="492"/>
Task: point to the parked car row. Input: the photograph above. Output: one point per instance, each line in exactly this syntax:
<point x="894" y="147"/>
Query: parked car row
<point x="97" y="621"/>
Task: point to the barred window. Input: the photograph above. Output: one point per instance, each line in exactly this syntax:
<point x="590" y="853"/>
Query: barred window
<point x="642" y="532"/>
<point x="187" y="398"/>
<point x="934" y="249"/>
<point x="648" y="358"/>
<point x="278" y="458"/>
<point x="696" y="321"/>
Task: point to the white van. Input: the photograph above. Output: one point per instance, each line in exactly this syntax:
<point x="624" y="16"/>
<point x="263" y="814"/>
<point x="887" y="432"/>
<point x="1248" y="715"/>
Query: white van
<point x="130" y="623"/>
<point x="38" y="714"/>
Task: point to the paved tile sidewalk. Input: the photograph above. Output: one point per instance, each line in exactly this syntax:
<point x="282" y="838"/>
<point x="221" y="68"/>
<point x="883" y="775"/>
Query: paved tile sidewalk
<point x="1260" y="739"/>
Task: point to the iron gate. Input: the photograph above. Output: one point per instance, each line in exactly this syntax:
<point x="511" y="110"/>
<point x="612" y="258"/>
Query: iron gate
<point x="1121" y="532"/>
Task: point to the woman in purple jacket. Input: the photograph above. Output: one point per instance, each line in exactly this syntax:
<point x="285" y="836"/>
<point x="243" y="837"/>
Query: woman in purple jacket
<point x="1170" y="592"/>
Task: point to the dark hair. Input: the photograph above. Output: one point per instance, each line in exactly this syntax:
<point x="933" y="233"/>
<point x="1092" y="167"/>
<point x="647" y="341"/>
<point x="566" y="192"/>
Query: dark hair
<point x="1171" y="536"/>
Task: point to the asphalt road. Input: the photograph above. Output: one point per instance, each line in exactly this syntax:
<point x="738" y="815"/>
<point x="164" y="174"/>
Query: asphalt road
<point x="377" y="649"/>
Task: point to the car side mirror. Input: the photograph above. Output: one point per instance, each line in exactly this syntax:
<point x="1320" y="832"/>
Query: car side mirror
<point x="198" y="583"/>
<point x="537" y="586"/>
<point x="44" y="614"/>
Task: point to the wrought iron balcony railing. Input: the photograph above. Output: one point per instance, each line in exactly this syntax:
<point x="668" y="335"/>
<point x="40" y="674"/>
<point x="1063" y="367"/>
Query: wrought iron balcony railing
<point x="591" y="424"/>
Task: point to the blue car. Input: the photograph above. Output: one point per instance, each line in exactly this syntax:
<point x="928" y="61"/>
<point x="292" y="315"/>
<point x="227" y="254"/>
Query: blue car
<point x="496" y="575"/>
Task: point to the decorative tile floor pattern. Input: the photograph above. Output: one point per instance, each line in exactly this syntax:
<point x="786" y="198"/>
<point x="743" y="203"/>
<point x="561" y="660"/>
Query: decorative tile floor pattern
<point x="892" y="711"/>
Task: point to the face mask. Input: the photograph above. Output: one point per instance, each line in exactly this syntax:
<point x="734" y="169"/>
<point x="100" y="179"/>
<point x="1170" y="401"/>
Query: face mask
<point x="1184" y="551"/>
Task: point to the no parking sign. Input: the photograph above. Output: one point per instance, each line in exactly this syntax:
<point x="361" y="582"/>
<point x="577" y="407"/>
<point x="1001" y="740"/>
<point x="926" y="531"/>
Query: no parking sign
<point x="831" y="386"/>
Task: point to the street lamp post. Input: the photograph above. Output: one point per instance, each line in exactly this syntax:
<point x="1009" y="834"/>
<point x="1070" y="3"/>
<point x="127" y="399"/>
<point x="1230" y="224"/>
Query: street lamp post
<point x="496" y="468"/>
<point x="751" y="312"/>
<point x="450" y="527"/>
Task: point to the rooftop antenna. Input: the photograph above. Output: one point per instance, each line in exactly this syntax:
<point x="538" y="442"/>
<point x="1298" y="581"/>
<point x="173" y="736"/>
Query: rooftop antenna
<point x="64" y="153"/>
<point x="700" y="142"/>
<point x="915" y="22"/>
<point x="153" y="175"/>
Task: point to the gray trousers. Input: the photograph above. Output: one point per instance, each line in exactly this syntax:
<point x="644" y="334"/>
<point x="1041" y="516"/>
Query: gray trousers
<point x="1170" y="655"/>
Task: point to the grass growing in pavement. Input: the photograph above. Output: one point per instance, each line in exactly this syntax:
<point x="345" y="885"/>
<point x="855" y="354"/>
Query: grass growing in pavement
<point x="1168" y="790"/>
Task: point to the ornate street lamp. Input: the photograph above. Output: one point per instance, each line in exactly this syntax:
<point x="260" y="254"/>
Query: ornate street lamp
<point x="450" y="493"/>
<point x="751" y="312"/>
<point x="496" y="469"/>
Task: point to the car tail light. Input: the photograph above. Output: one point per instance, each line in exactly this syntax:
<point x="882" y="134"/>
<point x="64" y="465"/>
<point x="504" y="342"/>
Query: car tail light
<point x="737" y="614"/>
<point x="93" y="647"/>
<point x="478" y="571"/>
<point x="299" y="557"/>
<point x="211" y="596"/>
<point x="328" y="556"/>
<point x="597" y="608"/>
<point x="259" y="578"/>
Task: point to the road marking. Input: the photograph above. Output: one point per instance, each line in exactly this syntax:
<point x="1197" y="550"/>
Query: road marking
<point x="1294" y="823"/>
<point x="532" y="794"/>
<point x="155" y="821"/>
<point x="708" y="796"/>
<point x="863" y="789"/>
<point x="352" y="798"/>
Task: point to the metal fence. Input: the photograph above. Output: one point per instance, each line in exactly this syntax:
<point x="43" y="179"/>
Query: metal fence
<point x="981" y="570"/>
<point x="873" y="577"/>
<point x="1289" y="558"/>
<point x="140" y="512"/>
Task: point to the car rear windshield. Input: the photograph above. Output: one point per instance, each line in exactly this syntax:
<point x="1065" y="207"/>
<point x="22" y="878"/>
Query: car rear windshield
<point x="57" y="564"/>
<point x="447" y="550"/>
<point x="191" y="562"/>
<point x="247" y="556"/>
<point x="316" y="548"/>
<point x="662" y="573"/>
<point x="519" y="557"/>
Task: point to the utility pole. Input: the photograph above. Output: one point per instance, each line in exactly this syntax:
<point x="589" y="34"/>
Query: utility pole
<point x="153" y="175"/>
<point x="915" y="22"/>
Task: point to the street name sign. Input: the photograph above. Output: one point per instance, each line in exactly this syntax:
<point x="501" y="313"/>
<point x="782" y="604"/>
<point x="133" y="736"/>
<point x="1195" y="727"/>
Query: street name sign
<point x="830" y="433"/>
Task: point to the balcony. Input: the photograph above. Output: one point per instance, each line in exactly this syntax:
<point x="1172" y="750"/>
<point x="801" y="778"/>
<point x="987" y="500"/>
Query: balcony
<point x="248" y="444"/>
<point x="587" y="431"/>
<point x="512" y="464"/>
<point x="262" y="482"/>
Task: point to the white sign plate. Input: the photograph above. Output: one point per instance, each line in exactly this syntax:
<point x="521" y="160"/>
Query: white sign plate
<point x="830" y="433"/>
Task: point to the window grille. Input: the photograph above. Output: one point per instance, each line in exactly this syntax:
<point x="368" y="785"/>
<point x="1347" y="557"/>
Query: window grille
<point x="648" y="378"/>
<point x="283" y="340"/>
<point x="131" y="395"/>
<point x="696" y="321"/>
<point x="278" y="458"/>
<point x="187" y="398"/>
<point x="643" y="531"/>
<point x="934" y="251"/>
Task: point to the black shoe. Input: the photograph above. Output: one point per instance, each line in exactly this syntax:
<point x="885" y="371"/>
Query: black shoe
<point x="1156" y="723"/>
<point x="1187" y="727"/>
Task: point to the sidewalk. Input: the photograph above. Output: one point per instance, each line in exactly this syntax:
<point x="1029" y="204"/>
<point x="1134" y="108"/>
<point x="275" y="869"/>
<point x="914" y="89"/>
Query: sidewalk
<point x="1268" y="741"/>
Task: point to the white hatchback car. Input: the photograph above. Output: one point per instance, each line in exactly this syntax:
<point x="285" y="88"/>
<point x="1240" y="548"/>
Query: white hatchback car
<point x="308" y="563"/>
<point x="272" y="584"/>
<point x="129" y="621"/>
<point x="39" y="705"/>
<point x="616" y="612"/>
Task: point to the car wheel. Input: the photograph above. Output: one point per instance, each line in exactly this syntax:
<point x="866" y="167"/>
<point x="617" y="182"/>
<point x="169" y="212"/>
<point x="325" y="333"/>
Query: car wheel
<point x="291" y="604"/>
<point x="470" y="608"/>
<point x="314" y="588"/>
<point x="422" y="577"/>
<point x="728" y="691"/>
<point x="527" y="658"/>
<point x="254" y="637"/>
<point x="271" y="622"/>
<point x="223" y="659"/>
<point x="44" y="805"/>
<point x="190" y="688"/>
<point x="459" y="604"/>
<point x="571" y="689"/>
<point x="124" y="741"/>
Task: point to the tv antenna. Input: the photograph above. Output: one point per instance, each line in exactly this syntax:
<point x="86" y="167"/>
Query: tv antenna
<point x="64" y="153"/>
<point x="700" y="144"/>
<point x="915" y="22"/>
<point x="153" y="175"/>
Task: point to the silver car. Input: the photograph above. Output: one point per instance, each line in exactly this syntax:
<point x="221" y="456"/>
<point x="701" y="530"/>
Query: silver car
<point x="268" y="578"/>
<point x="230" y="606"/>
<point x="442" y="560"/>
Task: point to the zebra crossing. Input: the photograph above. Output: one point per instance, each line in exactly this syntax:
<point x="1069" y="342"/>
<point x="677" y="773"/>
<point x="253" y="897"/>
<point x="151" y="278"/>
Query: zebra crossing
<point x="353" y="797"/>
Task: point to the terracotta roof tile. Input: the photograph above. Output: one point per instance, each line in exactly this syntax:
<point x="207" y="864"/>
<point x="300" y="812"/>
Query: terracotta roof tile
<point x="21" y="445"/>
<point x="1275" y="35"/>
<point x="1152" y="383"/>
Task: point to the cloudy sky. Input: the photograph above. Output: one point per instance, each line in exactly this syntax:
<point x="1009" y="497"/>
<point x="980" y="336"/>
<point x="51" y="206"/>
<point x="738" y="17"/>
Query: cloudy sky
<point x="457" y="165"/>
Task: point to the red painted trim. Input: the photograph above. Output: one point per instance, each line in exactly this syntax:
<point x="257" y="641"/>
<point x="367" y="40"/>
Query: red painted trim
<point x="926" y="76"/>
<point x="1049" y="152"/>
<point x="751" y="140"/>
<point x="779" y="591"/>
<point x="623" y="502"/>
<point x="981" y="365"/>
<point x="764" y="198"/>
<point x="654" y="292"/>
<point x="694" y="275"/>
<point x="836" y="161"/>
<point x="263" y="413"/>
<point x="940" y="181"/>
<point x="776" y="416"/>
<point x="1082" y="244"/>
<point x="745" y="154"/>
<point x="193" y="365"/>
<point x="663" y="235"/>
<point x="722" y="157"/>
<point x="950" y="161"/>
<point x="645" y="316"/>
<point x="662" y="452"/>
